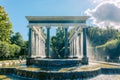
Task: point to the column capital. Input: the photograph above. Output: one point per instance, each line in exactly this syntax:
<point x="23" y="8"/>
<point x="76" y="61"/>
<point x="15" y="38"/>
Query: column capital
<point x="48" y="27"/>
<point x="66" y="27"/>
<point x="84" y="26"/>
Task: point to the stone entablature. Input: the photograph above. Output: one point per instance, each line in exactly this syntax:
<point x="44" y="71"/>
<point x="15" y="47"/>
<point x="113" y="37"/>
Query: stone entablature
<point x="57" y="18"/>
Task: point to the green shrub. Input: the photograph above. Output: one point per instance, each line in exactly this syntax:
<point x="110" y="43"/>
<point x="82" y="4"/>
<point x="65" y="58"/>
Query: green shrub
<point x="4" y="49"/>
<point x="111" y="48"/>
<point x="8" y="50"/>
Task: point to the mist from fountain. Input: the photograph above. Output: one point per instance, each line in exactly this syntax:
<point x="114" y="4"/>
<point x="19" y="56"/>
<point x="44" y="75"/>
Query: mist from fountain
<point x="92" y="52"/>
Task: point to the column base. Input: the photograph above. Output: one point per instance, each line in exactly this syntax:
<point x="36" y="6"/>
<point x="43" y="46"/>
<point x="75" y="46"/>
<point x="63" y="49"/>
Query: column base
<point x="75" y="57"/>
<point x="84" y="61"/>
<point x="47" y="57"/>
<point x="29" y="61"/>
<point x="66" y="57"/>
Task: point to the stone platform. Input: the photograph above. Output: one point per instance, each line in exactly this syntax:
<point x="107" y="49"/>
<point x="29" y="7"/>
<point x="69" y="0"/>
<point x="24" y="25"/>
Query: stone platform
<point x="58" y="75"/>
<point x="82" y="72"/>
<point x="55" y="62"/>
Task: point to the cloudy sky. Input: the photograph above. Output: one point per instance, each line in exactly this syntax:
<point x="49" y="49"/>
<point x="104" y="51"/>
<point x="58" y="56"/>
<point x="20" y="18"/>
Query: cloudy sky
<point x="102" y="12"/>
<point x="105" y="13"/>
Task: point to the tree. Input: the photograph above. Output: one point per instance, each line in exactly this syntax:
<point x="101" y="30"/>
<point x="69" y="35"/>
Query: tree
<point x="18" y="40"/>
<point x="111" y="48"/>
<point x="106" y="41"/>
<point x="57" y="43"/>
<point x="5" y="26"/>
<point x="8" y="50"/>
<point x="99" y="36"/>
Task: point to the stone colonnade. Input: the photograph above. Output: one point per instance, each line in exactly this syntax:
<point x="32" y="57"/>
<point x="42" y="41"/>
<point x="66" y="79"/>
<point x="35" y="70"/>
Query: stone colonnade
<point x="75" y="43"/>
<point x="37" y="39"/>
<point x="78" y="44"/>
<point x="36" y="42"/>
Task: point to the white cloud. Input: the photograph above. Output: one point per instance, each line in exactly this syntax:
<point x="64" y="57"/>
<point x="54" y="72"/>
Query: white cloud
<point x="106" y="13"/>
<point x="102" y="1"/>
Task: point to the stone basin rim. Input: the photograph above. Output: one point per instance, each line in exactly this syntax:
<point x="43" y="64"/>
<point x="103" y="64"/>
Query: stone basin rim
<point x="82" y="74"/>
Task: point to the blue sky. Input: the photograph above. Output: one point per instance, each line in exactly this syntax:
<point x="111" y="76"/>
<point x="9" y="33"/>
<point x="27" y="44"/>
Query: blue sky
<point x="18" y="9"/>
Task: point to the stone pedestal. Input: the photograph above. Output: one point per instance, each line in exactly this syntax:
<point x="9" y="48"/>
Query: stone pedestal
<point x="84" y="60"/>
<point x="75" y="57"/>
<point x="29" y="61"/>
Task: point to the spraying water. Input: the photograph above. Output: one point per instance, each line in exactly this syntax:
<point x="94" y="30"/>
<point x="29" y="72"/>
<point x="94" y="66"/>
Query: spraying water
<point x="92" y="52"/>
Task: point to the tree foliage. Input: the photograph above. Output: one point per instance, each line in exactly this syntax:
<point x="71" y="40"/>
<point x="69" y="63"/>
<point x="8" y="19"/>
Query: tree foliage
<point x="18" y="40"/>
<point x="10" y="46"/>
<point x="106" y="41"/>
<point x="5" y="26"/>
<point x="110" y="48"/>
<point x="57" y="43"/>
<point x="8" y="50"/>
<point x="99" y="36"/>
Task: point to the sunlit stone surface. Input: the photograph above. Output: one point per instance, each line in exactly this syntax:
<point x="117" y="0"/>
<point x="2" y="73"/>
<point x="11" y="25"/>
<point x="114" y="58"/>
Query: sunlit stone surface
<point x="13" y="77"/>
<point x="106" y="77"/>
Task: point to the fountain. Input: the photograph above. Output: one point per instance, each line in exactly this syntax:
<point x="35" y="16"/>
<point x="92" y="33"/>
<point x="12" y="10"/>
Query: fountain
<point x="40" y="65"/>
<point x="37" y="40"/>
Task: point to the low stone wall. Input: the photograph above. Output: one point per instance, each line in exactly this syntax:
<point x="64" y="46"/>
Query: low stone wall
<point x="7" y="70"/>
<point x="110" y="70"/>
<point x="59" y="75"/>
<point x="55" y="62"/>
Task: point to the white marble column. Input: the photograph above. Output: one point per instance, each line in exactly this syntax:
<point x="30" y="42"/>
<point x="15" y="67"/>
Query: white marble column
<point x="37" y="48"/>
<point x="40" y="48"/>
<point x="76" y="46"/>
<point x="48" y="42"/>
<point x="66" y="42"/>
<point x="72" y="48"/>
<point x="44" y="49"/>
<point x="30" y="43"/>
<point x="71" y="55"/>
<point x="33" y="44"/>
<point x="79" y="45"/>
<point x="38" y="54"/>
<point x="40" y="43"/>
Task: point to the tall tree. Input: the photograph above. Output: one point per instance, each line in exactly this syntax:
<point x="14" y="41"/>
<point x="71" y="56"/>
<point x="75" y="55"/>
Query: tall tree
<point x="17" y="39"/>
<point x="100" y="36"/>
<point x="5" y="26"/>
<point x="57" y="43"/>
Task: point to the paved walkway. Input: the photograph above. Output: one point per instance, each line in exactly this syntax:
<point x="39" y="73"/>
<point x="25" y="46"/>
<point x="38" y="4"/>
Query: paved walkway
<point x="106" y="77"/>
